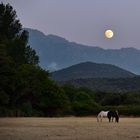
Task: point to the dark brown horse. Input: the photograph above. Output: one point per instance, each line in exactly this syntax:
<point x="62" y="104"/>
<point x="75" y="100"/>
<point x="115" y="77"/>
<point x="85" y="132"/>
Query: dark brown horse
<point x="112" y="115"/>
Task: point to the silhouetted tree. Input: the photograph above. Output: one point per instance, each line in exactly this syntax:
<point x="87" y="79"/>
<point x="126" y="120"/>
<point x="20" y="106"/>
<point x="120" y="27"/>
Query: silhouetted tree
<point x="14" y="37"/>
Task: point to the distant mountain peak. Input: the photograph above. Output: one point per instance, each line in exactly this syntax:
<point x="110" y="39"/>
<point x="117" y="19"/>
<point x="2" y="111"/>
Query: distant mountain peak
<point x="35" y="31"/>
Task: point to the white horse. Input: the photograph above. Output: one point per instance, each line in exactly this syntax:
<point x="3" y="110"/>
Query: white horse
<point x="101" y="115"/>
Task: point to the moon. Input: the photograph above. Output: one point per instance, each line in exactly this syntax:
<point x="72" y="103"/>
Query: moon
<point x="109" y="34"/>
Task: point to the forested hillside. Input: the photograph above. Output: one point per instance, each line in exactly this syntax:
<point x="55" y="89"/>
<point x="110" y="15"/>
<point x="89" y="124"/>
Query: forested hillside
<point x="90" y="70"/>
<point x="118" y="85"/>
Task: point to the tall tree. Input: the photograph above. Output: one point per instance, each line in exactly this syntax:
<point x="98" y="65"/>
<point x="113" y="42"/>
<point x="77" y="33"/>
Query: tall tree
<point x="15" y="38"/>
<point x="14" y="52"/>
<point x="9" y="25"/>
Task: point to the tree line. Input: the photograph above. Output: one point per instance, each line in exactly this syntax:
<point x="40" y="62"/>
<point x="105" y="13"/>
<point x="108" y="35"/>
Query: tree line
<point x="26" y="90"/>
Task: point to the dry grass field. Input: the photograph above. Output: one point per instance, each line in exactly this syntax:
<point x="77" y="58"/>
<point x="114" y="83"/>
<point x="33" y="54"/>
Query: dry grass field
<point x="71" y="128"/>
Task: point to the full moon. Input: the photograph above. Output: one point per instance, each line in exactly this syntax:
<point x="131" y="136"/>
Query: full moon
<point x="109" y="33"/>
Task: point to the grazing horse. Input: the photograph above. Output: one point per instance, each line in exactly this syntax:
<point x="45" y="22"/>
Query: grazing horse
<point x="101" y="115"/>
<point x="113" y="114"/>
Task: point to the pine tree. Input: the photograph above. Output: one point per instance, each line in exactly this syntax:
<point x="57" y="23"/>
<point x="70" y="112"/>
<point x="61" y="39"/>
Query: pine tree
<point x="15" y="38"/>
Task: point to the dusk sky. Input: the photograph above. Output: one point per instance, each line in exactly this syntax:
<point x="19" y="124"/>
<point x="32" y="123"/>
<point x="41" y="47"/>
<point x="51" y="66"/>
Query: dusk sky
<point x="83" y="21"/>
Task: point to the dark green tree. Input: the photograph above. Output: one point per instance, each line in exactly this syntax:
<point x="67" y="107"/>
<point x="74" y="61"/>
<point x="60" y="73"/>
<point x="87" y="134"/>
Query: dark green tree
<point x="9" y="25"/>
<point x="14" y="52"/>
<point x="15" y="38"/>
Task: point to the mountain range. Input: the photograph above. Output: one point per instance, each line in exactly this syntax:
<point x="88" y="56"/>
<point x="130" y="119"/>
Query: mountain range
<point x="56" y="53"/>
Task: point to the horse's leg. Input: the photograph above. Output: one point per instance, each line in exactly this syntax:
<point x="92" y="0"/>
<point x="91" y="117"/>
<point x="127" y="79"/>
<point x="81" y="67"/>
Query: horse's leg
<point x="115" y="119"/>
<point x="109" y="119"/>
<point x="99" y="117"/>
<point x="112" y="119"/>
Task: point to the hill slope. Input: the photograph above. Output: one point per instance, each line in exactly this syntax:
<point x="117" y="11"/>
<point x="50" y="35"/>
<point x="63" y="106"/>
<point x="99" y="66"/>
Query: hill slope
<point x="107" y="84"/>
<point x="56" y="53"/>
<point x="91" y="70"/>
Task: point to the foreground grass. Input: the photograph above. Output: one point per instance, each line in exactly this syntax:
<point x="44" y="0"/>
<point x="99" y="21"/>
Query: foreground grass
<point x="71" y="128"/>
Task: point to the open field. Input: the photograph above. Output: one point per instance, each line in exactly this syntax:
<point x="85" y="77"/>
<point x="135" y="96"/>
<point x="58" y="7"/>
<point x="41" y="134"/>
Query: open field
<point x="71" y="128"/>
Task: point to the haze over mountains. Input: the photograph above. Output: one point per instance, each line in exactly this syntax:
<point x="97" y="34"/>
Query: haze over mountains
<point x="57" y="53"/>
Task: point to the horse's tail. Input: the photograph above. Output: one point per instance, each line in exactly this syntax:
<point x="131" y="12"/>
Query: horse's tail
<point x="117" y="117"/>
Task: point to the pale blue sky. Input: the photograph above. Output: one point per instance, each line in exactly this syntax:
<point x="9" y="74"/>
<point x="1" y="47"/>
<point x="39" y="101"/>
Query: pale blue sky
<point x="84" y="21"/>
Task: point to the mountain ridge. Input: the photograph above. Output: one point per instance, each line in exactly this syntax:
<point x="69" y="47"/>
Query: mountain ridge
<point x="56" y="53"/>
